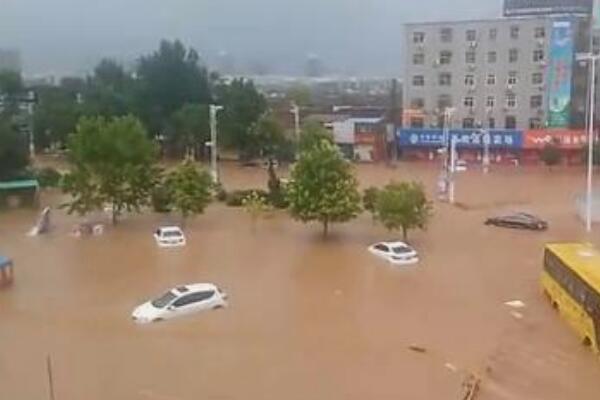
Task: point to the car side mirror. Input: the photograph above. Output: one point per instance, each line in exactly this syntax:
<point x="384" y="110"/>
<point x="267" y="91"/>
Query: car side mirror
<point x="171" y="308"/>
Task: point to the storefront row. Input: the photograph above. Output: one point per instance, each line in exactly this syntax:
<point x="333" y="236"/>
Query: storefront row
<point x="503" y="145"/>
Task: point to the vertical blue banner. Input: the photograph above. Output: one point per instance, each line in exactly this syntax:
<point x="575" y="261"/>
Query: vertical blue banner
<point x="560" y="73"/>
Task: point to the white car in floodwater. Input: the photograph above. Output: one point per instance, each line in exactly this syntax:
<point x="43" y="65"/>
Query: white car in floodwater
<point x="180" y="301"/>
<point x="397" y="253"/>
<point x="169" y="236"/>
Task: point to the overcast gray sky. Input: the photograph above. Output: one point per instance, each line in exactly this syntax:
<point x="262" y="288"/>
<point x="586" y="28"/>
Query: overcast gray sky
<point x="351" y="36"/>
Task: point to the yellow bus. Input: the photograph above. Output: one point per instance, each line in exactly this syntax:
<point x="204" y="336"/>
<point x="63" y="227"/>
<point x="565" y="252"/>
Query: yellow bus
<point x="571" y="280"/>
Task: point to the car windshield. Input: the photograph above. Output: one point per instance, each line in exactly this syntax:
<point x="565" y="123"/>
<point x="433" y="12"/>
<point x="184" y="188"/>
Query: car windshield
<point x="401" y="249"/>
<point x="171" y="234"/>
<point x="164" y="300"/>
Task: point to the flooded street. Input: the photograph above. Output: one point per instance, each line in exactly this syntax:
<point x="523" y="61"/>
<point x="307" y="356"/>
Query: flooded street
<point x="307" y="318"/>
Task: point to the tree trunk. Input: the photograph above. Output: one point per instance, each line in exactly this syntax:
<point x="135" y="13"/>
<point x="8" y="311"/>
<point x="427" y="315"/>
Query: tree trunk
<point x="325" y="228"/>
<point x="404" y="233"/>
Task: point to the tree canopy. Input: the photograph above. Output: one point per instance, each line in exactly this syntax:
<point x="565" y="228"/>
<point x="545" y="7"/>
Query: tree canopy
<point x="113" y="163"/>
<point x="243" y="107"/>
<point x="190" y="189"/>
<point x="323" y="187"/>
<point x="14" y="152"/>
<point x="402" y="206"/>
<point x="169" y="78"/>
<point x="189" y="129"/>
<point x="312" y="134"/>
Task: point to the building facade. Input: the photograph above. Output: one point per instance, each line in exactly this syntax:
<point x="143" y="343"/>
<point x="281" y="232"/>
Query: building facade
<point x="506" y="73"/>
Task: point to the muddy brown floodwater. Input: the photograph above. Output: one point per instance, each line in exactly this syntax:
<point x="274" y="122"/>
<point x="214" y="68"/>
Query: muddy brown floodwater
<point x="308" y="319"/>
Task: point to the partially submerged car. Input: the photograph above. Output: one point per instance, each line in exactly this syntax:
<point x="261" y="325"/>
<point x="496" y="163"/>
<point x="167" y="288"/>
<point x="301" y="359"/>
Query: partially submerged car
<point x="169" y="236"/>
<point x="519" y="220"/>
<point x="179" y="301"/>
<point x="397" y="253"/>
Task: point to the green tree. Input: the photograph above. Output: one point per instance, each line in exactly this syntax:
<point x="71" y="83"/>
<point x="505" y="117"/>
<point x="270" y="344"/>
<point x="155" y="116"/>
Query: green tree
<point x="167" y="79"/>
<point x="273" y="145"/>
<point x="11" y="86"/>
<point x="112" y="163"/>
<point x="110" y="91"/>
<point x="402" y="206"/>
<point x="551" y="154"/>
<point x="190" y="189"/>
<point x="243" y="107"/>
<point x="55" y="116"/>
<point x="256" y="206"/>
<point x="14" y="154"/>
<point x="323" y="187"/>
<point x="313" y="133"/>
<point x="370" y="198"/>
<point x="190" y="128"/>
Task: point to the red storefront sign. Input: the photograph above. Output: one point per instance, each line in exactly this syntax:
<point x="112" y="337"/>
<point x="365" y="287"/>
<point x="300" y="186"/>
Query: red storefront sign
<point x="565" y="139"/>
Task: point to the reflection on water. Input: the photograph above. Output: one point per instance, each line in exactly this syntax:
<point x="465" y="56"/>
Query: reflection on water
<point x="308" y="319"/>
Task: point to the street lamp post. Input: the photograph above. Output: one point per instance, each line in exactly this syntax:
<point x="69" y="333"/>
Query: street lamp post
<point x="485" y="138"/>
<point x="295" y="110"/>
<point x="452" y="183"/>
<point x="591" y="58"/>
<point x="213" y="110"/>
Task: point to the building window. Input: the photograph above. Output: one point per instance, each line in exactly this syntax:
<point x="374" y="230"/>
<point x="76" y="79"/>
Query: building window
<point x="445" y="57"/>
<point x="538" y="55"/>
<point x="470" y="80"/>
<point x="470" y="57"/>
<point x="512" y="78"/>
<point x="492" y="56"/>
<point x="446" y="35"/>
<point x="514" y="32"/>
<point x="490" y="80"/>
<point x="445" y="79"/>
<point x="417" y="103"/>
<point x="513" y="55"/>
<point x="510" y="122"/>
<point x="444" y="101"/>
<point x="417" y="122"/>
<point x="418" y="37"/>
<point x="490" y="102"/>
<point x="471" y="35"/>
<point x="418" y="59"/>
<point x="536" y="101"/>
<point x="537" y="78"/>
<point x="491" y="123"/>
<point x="418" y="80"/>
<point x="539" y="32"/>
<point x="468" y="123"/>
<point x="493" y="33"/>
<point x="511" y="100"/>
<point x="469" y="102"/>
<point x="535" y="123"/>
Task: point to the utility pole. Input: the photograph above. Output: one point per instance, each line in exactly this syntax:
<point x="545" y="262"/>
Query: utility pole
<point x="591" y="58"/>
<point x="393" y="118"/>
<point x="213" y="110"/>
<point x="295" y="110"/>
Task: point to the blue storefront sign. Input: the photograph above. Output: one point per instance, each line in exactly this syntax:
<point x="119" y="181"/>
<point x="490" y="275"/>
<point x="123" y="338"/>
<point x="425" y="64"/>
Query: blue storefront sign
<point x="465" y="138"/>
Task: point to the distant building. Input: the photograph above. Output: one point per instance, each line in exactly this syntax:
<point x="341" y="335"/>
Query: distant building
<point x="10" y="60"/>
<point x="511" y="73"/>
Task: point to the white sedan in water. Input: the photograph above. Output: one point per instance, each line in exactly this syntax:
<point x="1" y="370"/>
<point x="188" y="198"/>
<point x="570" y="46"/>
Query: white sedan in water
<point x="179" y="301"/>
<point x="169" y="236"/>
<point x="398" y="253"/>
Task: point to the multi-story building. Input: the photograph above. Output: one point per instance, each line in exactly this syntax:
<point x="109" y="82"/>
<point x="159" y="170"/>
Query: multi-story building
<point x="505" y="73"/>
